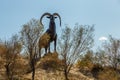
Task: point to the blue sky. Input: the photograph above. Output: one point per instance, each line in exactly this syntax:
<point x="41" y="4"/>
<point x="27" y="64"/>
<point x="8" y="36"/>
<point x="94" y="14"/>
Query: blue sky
<point x="105" y="14"/>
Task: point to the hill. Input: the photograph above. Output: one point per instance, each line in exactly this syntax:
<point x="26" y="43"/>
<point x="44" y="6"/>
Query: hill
<point x="42" y="73"/>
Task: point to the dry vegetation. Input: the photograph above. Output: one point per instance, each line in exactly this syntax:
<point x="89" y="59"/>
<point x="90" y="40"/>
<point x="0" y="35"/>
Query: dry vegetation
<point x="48" y="68"/>
<point x="73" y="61"/>
<point x="87" y="67"/>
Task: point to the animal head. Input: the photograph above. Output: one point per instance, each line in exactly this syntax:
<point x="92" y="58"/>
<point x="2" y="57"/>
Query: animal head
<point x="52" y="17"/>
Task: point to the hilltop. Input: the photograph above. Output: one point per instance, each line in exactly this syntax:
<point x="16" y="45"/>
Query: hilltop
<point x="41" y="72"/>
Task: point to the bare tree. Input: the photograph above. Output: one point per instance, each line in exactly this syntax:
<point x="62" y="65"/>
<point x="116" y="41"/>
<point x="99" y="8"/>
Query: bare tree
<point x="73" y="43"/>
<point x="29" y="35"/>
<point x="13" y="48"/>
<point x="112" y="49"/>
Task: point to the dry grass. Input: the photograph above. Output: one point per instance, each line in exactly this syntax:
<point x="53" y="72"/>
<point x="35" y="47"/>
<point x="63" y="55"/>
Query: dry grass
<point x="108" y="74"/>
<point x="58" y="75"/>
<point x="50" y="62"/>
<point x="42" y="74"/>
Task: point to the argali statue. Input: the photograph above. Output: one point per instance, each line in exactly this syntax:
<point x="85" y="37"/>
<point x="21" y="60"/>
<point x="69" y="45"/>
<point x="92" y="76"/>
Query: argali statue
<point x="50" y="35"/>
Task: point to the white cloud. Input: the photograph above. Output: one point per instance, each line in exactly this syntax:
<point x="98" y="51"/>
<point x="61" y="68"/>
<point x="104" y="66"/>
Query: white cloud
<point x="103" y="38"/>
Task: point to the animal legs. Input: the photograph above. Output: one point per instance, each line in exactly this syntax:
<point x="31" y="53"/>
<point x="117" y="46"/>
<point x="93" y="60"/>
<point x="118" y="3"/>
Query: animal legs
<point x="55" y="42"/>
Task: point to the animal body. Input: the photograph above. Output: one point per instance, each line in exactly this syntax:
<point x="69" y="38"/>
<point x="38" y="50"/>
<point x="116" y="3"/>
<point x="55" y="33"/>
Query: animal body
<point x="51" y="31"/>
<point x="44" y="42"/>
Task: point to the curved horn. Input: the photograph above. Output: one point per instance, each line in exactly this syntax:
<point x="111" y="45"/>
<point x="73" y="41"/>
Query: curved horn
<point x="56" y="14"/>
<point x="43" y="16"/>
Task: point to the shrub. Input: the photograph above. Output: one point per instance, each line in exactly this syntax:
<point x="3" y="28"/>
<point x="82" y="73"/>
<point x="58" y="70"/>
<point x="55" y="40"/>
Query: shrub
<point x="96" y="69"/>
<point x="50" y="62"/>
<point x="85" y="65"/>
<point x="108" y="74"/>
